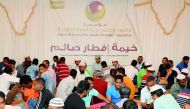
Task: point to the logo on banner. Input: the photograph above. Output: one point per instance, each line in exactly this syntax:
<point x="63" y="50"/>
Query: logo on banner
<point x="95" y="11"/>
<point x="57" y="4"/>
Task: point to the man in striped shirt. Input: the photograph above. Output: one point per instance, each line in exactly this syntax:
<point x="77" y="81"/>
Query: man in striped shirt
<point x="184" y="95"/>
<point x="62" y="69"/>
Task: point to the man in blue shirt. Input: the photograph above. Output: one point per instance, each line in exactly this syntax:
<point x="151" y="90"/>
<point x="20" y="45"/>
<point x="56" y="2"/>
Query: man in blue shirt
<point x="184" y="63"/>
<point x="32" y="71"/>
<point x="112" y="93"/>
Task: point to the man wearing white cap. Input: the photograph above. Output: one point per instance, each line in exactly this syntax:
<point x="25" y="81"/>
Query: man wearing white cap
<point x="179" y="85"/>
<point x="96" y="65"/>
<point x="81" y="73"/>
<point x="185" y="72"/>
<point x="115" y="63"/>
<point x="76" y="64"/>
<point x="142" y="72"/>
<point x="56" y="103"/>
<point x="150" y="72"/>
<point x="146" y="99"/>
<point x="162" y="101"/>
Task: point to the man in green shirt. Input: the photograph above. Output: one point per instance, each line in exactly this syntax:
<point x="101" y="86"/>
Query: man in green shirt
<point x="92" y="92"/>
<point x="179" y="85"/>
<point x="142" y="73"/>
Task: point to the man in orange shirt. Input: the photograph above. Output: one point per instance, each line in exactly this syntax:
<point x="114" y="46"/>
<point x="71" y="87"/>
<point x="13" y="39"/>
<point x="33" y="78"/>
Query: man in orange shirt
<point x="25" y="87"/>
<point x="127" y="82"/>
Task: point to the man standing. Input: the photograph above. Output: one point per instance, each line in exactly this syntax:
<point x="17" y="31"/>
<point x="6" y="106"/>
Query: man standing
<point x="45" y="74"/>
<point x="12" y="64"/>
<point x="21" y="68"/>
<point x="62" y="69"/>
<point x="139" y="63"/>
<point x="3" y="64"/>
<point x="66" y="85"/>
<point x="97" y="65"/>
<point x="32" y="71"/>
<point x="51" y="70"/>
<point x="76" y="64"/>
<point x="184" y="63"/>
<point x="55" y="61"/>
<point x="44" y="94"/>
<point x="74" y="100"/>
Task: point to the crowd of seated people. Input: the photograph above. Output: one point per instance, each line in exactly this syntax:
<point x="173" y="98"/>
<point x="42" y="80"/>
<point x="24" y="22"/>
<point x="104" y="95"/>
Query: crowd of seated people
<point x="42" y="85"/>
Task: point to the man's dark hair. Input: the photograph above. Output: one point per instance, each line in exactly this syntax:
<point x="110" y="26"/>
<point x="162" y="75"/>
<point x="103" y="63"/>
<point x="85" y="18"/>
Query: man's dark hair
<point x="11" y="61"/>
<point x="56" y="57"/>
<point x="6" y="59"/>
<point x="170" y="61"/>
<point x="104" y="64"/>
<point x="149" y="79"/>
<point x="42" y="65"/>
<point x="113" y="72"/>
<point x="165" y="58"/>
<point x="168" y="66"/>
<point x="89" y="78"/>
<point x="82" y="86"/>
<point x="35" y="61"/>
<point x="134" y="63"/>
<point x="47" y="61"/>
<point x="185" y="58"/>
<point x="25" y="79"/>
<point x="8" y="70"/>
<point x="130" y="104"/>
<point x="73" y="73"/>
<point x="158" y="92"/>
<point x="62" y="59"/>
<point x="118" y="77"/>
<point x="2" y="95"/>
<point x="121" y="70"/>
<point x="41" y="81"/>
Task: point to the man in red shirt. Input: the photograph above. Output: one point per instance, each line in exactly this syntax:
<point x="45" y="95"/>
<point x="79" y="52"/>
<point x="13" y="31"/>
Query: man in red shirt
<point x="100" y="85"/>
<point x="62" y="69"/>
